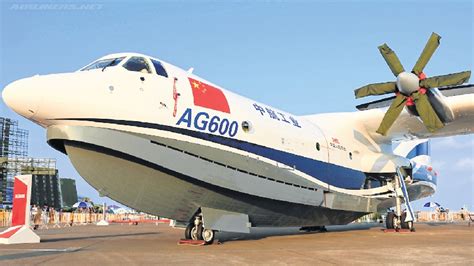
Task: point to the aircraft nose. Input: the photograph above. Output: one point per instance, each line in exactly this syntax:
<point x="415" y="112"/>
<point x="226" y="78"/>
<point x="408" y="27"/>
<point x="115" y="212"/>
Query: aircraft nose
<point x="21" y="97"/>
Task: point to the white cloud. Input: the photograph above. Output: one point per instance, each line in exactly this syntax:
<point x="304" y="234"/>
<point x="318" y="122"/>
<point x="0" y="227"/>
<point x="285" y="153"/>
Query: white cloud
<point x="438" y="164"/>
<point x="460" y="142"/>
<point x="465" y="163"/>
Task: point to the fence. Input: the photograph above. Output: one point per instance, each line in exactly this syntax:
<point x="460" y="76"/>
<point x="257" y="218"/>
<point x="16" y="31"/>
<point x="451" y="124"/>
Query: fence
<point x="442" y="216"/>
<point x="58" y="219"/>
<point x="425" y="216"/>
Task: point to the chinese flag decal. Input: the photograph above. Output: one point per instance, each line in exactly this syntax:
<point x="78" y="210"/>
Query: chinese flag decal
<point x="208" y="96"/>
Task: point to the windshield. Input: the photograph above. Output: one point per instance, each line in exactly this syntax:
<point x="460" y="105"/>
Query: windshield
<point x="110" y="62"/>
<point x="138" y="64"/>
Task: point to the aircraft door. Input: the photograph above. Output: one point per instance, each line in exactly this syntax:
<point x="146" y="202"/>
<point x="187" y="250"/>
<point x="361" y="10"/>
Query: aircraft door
<point x="166" y="91"/>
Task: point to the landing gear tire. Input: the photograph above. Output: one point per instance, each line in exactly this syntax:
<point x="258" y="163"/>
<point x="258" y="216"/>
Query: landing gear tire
<point x="407" y="225"/>
<point x="187" y="232"/>
<point x="208" y="235"/>
<point x="390" y="220"/>
<point x="196" y="232"/>
<point x="404" y="224"/>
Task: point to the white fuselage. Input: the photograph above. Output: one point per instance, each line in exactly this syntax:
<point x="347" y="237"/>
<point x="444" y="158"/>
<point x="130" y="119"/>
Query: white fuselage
<point x="164" y="123"/>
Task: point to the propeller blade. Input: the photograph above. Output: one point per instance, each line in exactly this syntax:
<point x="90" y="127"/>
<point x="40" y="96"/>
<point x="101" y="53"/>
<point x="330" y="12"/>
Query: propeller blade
<point x="446" y="80"/>
<point x="392" y="113"/>
<point x="430" y="47"/>
<point x="375" y="89"/>
<point x="391" y="58"/>
<point x="426" y="112"/>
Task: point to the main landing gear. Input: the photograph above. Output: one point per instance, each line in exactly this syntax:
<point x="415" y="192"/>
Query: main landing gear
<point x="196" y="231"/>
<point x="400" y="220"/>
<point x="395" y="222"/>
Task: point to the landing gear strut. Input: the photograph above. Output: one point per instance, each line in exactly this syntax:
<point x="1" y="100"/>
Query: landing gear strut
<point x="196" y="231"/>
<point x="400" y="220"/>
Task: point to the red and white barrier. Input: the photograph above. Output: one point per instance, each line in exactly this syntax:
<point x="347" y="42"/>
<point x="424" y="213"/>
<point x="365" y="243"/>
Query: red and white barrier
<point x="20" y="231"/>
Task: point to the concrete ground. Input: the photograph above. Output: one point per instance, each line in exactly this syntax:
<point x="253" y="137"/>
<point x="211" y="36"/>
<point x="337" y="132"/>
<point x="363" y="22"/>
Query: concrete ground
<point x="151" y="244"/>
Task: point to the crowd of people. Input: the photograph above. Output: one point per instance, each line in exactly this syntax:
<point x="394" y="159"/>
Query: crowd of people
<point x="48" y="215"/>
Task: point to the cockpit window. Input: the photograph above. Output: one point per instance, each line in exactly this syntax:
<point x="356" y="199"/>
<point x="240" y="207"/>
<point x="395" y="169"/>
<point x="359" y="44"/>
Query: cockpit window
<point x="110" y="62"/>
<point x="160" y="70"/>
<point x="138" y="64"/>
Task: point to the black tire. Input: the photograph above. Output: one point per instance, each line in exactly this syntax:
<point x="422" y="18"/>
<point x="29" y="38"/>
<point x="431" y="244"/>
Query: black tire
<point x="187" y="232"/>
<point x="389" y="220"/>
<point x="208" y="235"/>
<point x="404" y="224"/>
<point x="407" y="225"/>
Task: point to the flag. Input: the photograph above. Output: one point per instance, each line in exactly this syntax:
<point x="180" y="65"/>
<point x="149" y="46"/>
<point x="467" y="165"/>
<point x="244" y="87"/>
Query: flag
<point x="208" y="96"/>
<point x="431" y="204"/>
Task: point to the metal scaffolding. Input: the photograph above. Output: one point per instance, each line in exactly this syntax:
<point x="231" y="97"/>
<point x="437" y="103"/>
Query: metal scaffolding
<point x="27" y="165"/>
<point x="14" y="161"/>
<point x="14" y="141"/>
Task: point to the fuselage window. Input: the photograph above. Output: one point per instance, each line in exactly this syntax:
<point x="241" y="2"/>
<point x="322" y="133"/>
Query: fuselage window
<point x="110" y="62"/>
<point x="160" y="70"/>
<point x="138" y="64"/>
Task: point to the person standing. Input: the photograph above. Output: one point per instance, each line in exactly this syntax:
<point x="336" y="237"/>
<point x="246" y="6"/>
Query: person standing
<point x="52" y="214"/>
<point x="71" y="218"/>
<point x="464" y="214"/>
<point x="37" y="219"/>
<point x="34" y="210"/>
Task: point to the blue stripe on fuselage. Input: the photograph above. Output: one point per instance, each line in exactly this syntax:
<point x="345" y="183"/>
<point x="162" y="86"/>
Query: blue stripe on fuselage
<point x="331" y="174"/>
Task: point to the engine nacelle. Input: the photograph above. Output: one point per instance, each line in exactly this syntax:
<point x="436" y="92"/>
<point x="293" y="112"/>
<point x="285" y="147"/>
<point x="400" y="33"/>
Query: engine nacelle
<point x="439" y="105"/>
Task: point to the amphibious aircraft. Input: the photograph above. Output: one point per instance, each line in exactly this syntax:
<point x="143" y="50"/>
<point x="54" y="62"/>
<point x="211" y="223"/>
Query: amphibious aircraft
<point x="164" y="141"/>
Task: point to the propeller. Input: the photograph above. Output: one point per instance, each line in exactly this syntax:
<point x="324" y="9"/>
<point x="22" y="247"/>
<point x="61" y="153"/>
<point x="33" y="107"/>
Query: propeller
<point x="411" y="87"/>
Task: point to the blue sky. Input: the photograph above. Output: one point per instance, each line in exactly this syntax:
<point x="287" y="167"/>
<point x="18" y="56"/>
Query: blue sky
<point x="304" y="57"/>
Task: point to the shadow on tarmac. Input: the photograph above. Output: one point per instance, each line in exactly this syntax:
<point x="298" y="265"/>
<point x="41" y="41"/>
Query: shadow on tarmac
<point x="96" y="236"/>
<point x="257" y="233"/>
<point x="36" y="253"/>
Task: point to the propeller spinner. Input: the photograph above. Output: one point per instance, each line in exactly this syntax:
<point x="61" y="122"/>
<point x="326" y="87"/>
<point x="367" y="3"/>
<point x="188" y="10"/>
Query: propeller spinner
<point x="410" y="87"/>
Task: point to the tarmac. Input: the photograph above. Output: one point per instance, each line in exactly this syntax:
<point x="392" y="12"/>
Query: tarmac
<point x="434" y="243"/>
